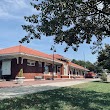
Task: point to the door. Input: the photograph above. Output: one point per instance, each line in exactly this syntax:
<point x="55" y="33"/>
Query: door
<point x="65" y="69"/>
<point x="6" y="67"/>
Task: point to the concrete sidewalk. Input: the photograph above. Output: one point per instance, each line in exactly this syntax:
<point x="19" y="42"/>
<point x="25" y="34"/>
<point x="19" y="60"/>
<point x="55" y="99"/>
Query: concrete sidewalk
<point x="28" y="89"/>
<point x="29" y="82"/>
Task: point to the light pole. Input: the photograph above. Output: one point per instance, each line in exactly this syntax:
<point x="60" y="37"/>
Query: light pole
<point x="54" y="50"/>
<point x="84" y="63"/>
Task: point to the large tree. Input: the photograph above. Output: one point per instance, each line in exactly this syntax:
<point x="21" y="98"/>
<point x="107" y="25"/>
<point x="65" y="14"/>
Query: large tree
<point x="71" y="21"/>
<point x="104" y="57"/>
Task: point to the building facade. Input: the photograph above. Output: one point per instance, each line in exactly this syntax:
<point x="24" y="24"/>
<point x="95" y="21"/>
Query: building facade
<point x="36" y="63"/>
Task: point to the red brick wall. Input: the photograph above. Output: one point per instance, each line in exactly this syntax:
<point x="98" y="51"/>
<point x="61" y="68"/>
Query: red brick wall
<point x="15" y="68"/>
<point x="29" y="71"/>
<point x="62" y="70"/>
<point x="32" y="75"/>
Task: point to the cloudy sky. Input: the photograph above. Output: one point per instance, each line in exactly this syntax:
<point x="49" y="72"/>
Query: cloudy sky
<point x="12" y="14"/>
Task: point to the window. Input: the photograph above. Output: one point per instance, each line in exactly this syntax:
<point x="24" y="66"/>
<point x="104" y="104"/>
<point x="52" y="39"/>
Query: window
<point x="46" y="69"/>
<point x="74" y="71"/>
<point x="30" y="63"/>
<point x="40" y="64"/>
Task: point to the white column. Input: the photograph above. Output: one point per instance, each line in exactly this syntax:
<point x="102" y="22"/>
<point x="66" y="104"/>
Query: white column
<point x="69" y="75"/>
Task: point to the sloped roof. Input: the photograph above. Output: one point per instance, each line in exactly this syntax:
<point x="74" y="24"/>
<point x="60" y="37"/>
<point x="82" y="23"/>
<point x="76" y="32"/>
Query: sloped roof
<point x="23" y="49"/>
<point x="29" y="51"/>
<point x="77" y="66"/>
<point x="57" y="56"/>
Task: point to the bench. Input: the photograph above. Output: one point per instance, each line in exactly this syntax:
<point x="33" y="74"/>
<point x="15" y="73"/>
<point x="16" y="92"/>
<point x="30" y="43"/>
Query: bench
<point x="38" y="77"/>
<point x="48" y="78"/>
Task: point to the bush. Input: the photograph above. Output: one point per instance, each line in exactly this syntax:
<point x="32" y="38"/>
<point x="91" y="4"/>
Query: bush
<point x="104" y="77"/>
<point x="20" y="74"/>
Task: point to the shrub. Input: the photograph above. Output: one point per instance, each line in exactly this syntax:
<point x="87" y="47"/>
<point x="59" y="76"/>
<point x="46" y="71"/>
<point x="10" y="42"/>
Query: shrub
<point x="104" y="77"/>
<point x="20" y="74"/>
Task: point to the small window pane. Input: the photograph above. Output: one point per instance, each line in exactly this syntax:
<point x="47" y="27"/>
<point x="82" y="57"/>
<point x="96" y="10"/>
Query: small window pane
<point x="30" y="63"/>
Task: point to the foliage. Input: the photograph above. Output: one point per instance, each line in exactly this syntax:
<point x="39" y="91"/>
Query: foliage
<point x="98" y="68"/>
<point x="20" y="74"/>
<point x="104" y="77"/>
<point x="70" y="21"/>
<point x="104" y="57"/>
<point x="86" y="64"/>
<point x="89" y="96"/>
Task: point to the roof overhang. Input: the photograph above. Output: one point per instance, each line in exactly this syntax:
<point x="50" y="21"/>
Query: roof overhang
<point x="79" y="68"/>
<point x="15" y="55"/>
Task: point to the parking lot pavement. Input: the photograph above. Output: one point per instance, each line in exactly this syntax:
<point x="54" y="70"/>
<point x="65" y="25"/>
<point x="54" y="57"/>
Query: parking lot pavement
<point x="33" y="87"/>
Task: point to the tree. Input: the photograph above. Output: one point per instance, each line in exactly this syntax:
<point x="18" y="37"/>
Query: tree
<point x="86" y="64"/>
<point x="71" y="21"/>
<point x="104" y="57"/>
<point x="98" y="68"/>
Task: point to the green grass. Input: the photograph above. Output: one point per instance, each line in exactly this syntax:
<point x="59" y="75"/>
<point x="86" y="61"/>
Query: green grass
<point x="88" y="96"/>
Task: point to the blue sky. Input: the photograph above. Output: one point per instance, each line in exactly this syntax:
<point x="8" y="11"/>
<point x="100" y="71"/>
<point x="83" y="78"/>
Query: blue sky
<point x="12" y="14"/>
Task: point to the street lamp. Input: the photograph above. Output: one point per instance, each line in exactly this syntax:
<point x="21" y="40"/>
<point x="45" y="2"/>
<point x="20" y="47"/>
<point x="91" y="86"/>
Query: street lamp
<point x="84" y="64"/>
<point x="54" y="50"/>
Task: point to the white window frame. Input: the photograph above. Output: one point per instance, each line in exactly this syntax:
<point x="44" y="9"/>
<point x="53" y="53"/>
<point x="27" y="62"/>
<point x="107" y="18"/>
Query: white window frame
<point x="30" y="62"/>
<point x="40" y="64"/>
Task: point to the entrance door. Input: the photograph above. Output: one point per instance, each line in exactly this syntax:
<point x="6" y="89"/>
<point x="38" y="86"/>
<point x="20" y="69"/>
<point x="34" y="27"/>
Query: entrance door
<point x="65" y="69"/>
<point x="6" y="67"/>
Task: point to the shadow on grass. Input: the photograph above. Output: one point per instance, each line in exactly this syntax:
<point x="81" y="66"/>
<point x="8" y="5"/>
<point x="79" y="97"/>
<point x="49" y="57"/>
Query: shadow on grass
<point x="59" y="99"/>
<point x="97" y="81"/>
<point x="101" y="81"/>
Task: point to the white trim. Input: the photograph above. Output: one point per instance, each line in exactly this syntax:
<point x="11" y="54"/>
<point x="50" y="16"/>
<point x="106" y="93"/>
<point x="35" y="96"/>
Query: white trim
<point x="37" y="57"/>
<point x="30" y="63"/>
<point x="78" y="68"/>
<point x="24" y="54"/>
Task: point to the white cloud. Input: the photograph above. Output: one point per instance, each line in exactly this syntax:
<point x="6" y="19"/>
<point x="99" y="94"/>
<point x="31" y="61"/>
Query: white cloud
<point x="15" y="4"/>
<point x="6" y="15"/>
<point x="100" y="6"/>
<point x="15" y="9"/>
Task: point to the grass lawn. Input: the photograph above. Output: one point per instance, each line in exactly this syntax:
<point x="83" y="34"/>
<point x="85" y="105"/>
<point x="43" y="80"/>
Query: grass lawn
<point x="88" y="96"/>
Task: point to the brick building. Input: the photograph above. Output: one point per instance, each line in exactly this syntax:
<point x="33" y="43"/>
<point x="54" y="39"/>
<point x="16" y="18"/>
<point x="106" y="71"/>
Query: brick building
<point x="36" y="63"/>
